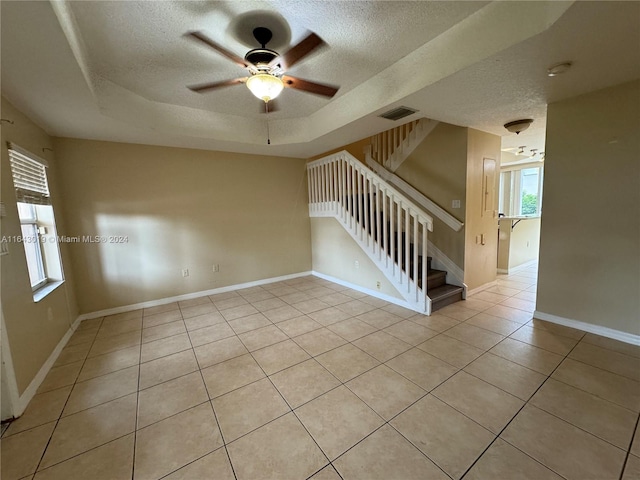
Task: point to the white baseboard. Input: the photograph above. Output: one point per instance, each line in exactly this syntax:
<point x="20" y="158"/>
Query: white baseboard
<point x="382" y="296"/>
<point x="509" y="271"/>
<point x="589" y="327"/>
<point x="23" y="400"/>
<point x="189" y="296"/>
<point x="482" y="287"/>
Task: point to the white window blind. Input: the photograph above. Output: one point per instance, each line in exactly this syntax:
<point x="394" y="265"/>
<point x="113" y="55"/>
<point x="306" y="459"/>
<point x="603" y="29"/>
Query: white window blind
<point x="29" y="176"/>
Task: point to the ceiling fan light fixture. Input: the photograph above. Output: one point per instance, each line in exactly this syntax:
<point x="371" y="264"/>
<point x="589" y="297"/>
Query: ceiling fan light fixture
<point x="265" y="86"/>
<point x="518" y="126"/>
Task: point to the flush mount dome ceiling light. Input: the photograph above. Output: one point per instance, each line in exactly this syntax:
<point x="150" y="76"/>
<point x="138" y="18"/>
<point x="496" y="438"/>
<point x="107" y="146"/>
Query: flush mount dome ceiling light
<point x="558" y="69"/>
<point x="518" y="126"/>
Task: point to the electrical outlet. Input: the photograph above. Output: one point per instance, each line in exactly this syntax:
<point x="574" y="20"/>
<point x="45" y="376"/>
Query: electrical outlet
<point x="356" y="264"/>
<point x="455" y="203"/>
<point x="185" y="272"/>
<point x="216" y="267"/>
<point x="378" y="285"/>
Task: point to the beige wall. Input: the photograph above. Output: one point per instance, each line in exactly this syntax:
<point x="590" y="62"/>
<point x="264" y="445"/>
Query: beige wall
<point x="589" y="266"/>
<point x="179" y="209"/>
<point x="519" y="245"/>
<point x="335" y="253"/>
<point x="438" y="169"/>
<point x="33" y="329"/>
<point x="356" y="149"/>
<point x="480" y="259"/>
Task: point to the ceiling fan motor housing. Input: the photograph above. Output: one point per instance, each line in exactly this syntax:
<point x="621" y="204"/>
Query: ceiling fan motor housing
<point x="260" y="57"/>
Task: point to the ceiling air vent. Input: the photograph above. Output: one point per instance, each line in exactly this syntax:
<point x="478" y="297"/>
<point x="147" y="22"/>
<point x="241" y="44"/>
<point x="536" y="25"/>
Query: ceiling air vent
<point x="398" y="113"/>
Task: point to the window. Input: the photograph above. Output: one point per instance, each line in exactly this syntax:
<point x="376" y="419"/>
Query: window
<point x="37" y="222"/>
<point x="521" y="191"/>
<point x="529" y="191"/>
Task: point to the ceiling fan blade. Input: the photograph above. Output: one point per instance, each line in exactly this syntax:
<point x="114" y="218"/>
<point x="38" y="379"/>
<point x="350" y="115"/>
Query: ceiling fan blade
<point x="201" y="37"/>
<point x="298" y="52"/>
<point x="204" y="87"/>
<point x="311" y="87"/>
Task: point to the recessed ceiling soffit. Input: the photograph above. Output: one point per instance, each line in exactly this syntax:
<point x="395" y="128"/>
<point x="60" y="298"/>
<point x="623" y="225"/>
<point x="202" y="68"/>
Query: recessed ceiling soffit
<point x="488" y="30"/>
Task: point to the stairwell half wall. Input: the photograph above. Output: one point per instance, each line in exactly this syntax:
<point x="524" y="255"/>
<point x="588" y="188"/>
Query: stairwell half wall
<point x="438" y="169"/>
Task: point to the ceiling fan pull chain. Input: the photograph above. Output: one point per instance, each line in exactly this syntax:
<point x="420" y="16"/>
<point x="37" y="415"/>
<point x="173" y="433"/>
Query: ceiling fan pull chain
<point x="266" y="106"/>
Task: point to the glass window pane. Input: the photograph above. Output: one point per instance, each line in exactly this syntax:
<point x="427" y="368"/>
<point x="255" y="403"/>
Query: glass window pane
<point x="34" y="254"/>
<point x="529" y="191"/>
<point x="26" y="211"/>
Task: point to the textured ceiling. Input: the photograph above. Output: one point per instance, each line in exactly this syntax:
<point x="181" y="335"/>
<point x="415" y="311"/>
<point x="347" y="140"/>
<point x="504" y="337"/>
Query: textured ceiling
<point x="118" y="70"/>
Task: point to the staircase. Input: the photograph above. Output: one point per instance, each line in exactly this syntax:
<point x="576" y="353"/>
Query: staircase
<point x="388" y="226"/>
<point x="440" y="292"/>
<point x="392" y="147"/>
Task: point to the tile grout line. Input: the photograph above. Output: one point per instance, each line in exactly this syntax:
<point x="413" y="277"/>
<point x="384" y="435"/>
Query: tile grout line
<point x="44" y="451"/>
<point x="513" y="418"/>
<point x="626" y="458"/>
<point x="135" y="426"/>
<point x="209" y="400"/>
<point x="291" y="409"/>
<point x="385" y="422"/>
<point x="579" y="341"/>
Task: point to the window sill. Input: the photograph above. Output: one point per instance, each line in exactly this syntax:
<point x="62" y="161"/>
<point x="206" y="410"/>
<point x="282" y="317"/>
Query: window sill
<point x="42" y="292"/>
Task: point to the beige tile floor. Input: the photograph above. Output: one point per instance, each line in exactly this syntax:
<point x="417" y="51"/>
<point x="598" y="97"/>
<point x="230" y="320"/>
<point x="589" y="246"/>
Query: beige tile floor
<point x="308" y="379"/>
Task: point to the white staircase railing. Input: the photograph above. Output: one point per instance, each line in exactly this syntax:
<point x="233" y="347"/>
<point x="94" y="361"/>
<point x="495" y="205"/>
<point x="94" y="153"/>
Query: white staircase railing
<point x="390" y="229"/>
<point x="392" y="147"/>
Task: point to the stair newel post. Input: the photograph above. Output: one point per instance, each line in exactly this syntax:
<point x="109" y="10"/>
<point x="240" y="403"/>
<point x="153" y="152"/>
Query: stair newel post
<point x="325" y="187"/>
<point x="424" y="258"/>
<point x="371" y="216"/>
<point x="414" y="221"/>
<point x="399" y="243"/>
<point x="317" y="185"/>
<point x="350" y="188"/>
<point x="407" y="244"/>
<point x="316" y="179"/>
<point x="319" y="191"/>
<point x="330" y="180"/>
<point x="354" y="195"/>
<point x="370" y="229"/>
<point x="340" y="199"/>
<point x="392" y="234"/>
<point x="365" y="204"/>
<point x="378" y="218"/>
<point x="385" y="220"/>
<point x="334" y="176"/>
<point x="309" y="189"/>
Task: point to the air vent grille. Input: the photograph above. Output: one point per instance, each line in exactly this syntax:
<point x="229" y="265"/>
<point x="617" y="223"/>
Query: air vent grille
<point x="398" y="113"/>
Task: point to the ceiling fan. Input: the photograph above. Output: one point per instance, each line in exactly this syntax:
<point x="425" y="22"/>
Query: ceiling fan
<point x="266" y="67"/>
